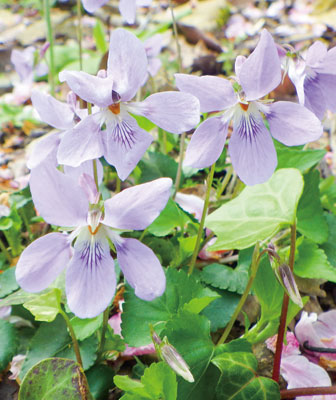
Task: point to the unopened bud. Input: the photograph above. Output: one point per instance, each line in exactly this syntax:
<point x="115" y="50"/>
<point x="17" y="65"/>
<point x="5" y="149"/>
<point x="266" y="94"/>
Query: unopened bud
<point x="286" y="279"/>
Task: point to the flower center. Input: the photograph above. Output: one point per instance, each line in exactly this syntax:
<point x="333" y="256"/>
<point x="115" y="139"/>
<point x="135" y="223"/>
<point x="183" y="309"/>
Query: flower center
<point x="94" y="218"/>
<point x="115" y="108"/>
<point x="244" y="106"/>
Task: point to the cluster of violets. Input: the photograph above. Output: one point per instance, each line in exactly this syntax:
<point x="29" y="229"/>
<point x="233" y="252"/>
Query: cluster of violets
<point x="66" y="171"/>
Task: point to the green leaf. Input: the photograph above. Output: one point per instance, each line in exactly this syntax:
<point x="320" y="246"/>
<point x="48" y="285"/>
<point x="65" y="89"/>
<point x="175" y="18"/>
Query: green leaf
<point x="329" y="246"/>
<point x="5" y="223"/>
<point x="294" y="157"/>
<point x="258" y="213"/>
<point x="190" y="335"/>
<point x="57" y="379"/>
<point x="239" y="379"/>
<point x="86" y="327"/>
<point x="221" y="309"/>
<point x="157" y="165"/>
<point x="138" y="314"/>
<point x="163" y="247"/>
<point x="87" y="348"/>
<point x="328" y="192"/>
<point x="18" y="297"/>
<point x="311" y="221"/>
<point x="99" y="37"/>
<point x="171" y="217"/>
<point x="8" y="343"/>
<point x="157" y="383"/>
<point x="45" y="307"/>
<point x="313" y="263"/>
<point x="7" y="282"/>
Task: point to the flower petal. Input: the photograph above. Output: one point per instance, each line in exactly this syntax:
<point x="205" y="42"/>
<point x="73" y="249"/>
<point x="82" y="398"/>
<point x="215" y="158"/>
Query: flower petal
<point x="141" y="268"/>
<point x="90" y="88"/>
<point x="251" y="147"/>
<point x="127" y="10"/>
<point x="57" y="197"/>
<point x="85" y="168"/>
<point x="138" y="206"/>
<point x="207" y="143"/>
<point x="52" y="111"/>
<point x="83" y="142"/>
<point x="127" y="63"/>
<point x="328" y="88"/>
<point x="261" y="72"/>
<point x="44" y="148"/>
<point x="92" y="5"/>
<point x="293" y="124"/>
<point x="174" y="112"/>
<point x="125" y="144"/>
<point x="328" y="64"/>
<point x="314" y="98"/>
<point x="90" y="281"/>
<point x="214" y="93"/>
<point x="42" y="261"/>
<point x="316" y="54"/>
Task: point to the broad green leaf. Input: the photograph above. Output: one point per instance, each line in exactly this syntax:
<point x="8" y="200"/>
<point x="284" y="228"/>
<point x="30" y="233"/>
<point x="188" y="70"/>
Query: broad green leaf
<point x="138" y="314"/>
<point x="7" y="282"/>
<point x="86" y="327"/>
<point x="99" y="36"/>
<point x="239" y="379"/>
<point x="163" y="247"/>
<point x="171" y="217"/>
<point x="56" y="379"/>
<point x="18" y="297"/>
<point x="157" y="383"/>
<point x="294" y="157"/>
<point x="190" y="335"/>
<point x="329" y="246"/>
<point x="328" y="193"/>
<point x="220" y="310"/>
<point x="258" y="213"/>
<point x="45" y="307"/>
<point x="8" y="343"/>
<point x="157" y="165"/>
<point x="313" y="263"/>
<point x="311" y="221"/>
<point x="5" y="223"/>
<point x="87" y="348"/>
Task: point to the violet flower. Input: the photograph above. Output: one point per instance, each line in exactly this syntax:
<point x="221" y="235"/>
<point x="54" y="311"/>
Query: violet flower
<point x="315" y="79"/>
<point x="123" y="143"/>
<point x="251" y="147"/>
<point x="90" y="279"/>
<point x="25" y="64"/>
<point x="298" y="371"/>
<point x="153" y="47"/>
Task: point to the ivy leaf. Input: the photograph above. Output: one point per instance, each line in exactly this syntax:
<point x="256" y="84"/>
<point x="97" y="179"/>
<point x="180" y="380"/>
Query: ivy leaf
<point x="57" y="379"/>
<point x="7" y="282"/>
<point x="239" y="379"/>
<point x="258" y="213"/>
<point x="8" y="343"/>
<point x="311" y="221"/>
<point x="181" y="289"/>
<point x="313" y="263"/>
<point x="45" y="307"/>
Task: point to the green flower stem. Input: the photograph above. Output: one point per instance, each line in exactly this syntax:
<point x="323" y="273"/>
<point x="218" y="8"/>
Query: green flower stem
<point x="26" y="223"/>
<point x="118" y="184"/>
<point x="95" y="173"/>
<point x="284" y="310"/>
<point x="179" y="168"/>
<point x="253" y="273"/>
<point x="225" y="182"/>
<point x="204" y="213"/>
<point x="50" y="38"/>
<point x="5" y="252"/>
<point x="163" y="140"/>
<point x="178" y="47"/>
<point x="73" y="337"/>
<point x="103" y="331"/>
<point x="79" y="33"/>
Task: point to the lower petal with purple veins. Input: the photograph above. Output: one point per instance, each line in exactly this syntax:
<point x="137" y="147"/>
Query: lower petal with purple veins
<point x="141" y="268"/>
<point x="251" y="147"/>
<point x="90" y="279"/>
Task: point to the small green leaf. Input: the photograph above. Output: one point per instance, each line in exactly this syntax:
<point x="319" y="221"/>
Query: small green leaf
<point x="99" y="37"/>
<point x="125" y="383"/>
<point x="8" y="343"/>
<point x="57" y="379"/>
<point x="7" y="282"/>
<point x="311" y="221"/>
<point x="45" y="307"/>
<point x="258" y="213"/>
<point x="329" y="246"/>
<point x="86" y="327"/>
<point x="5" y="223"/>
<point x="313" y="263"/>
<point x="18" y="297"/>
<point x="157" y="165"/>
<point x="239" y="379"/>
<point x="87" y="348"/>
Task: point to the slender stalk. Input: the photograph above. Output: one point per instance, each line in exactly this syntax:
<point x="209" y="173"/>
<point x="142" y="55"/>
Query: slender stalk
<point x="118" y="185"/>
<point x="284" y="310"/>
<point x="79" y="33"/>
<point x="73" y="337"/>
<point x="5" y="251"/>
<point x="179" y="168"/>
<point x="204" y="213"/>
<point x="178" y="47"/>
<point x="26" y="223"/>
<point x="225" y="182"/>
<point x="50" y="38"/>
<point x="95" y="173"/>
<point x="310" y="391"/>
<point x="104" y="329"/>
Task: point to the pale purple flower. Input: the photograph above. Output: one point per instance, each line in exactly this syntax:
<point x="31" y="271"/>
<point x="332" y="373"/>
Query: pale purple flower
<point x="298" y="371"/>
<point x="251" y="147"/>
<point x="153" y="47"/>
<point x="25" y="64"/>
<point x="67" y="200"/>
<point x="123" y="142"/>
<point x="315" y="79"/>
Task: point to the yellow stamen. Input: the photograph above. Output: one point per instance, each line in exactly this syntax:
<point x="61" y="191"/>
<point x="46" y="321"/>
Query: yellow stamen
<point x="244" y="106"/>
<point x="115" y="108"/>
